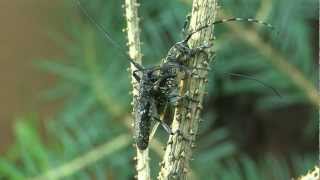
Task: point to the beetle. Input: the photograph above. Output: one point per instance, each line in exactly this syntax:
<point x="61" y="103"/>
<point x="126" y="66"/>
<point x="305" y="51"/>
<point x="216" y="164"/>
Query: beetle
<point x="158" y="85"/>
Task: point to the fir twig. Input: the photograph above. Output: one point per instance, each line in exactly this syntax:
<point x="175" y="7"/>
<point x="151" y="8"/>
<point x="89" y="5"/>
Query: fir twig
<point x="85" y="160"/>
<point x="135" y="54"/>
<point x="314" y="174"/>
<point x="175" y="164"/>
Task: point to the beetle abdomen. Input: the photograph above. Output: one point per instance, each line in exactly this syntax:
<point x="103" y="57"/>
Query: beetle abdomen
<point x="142" y="124"/>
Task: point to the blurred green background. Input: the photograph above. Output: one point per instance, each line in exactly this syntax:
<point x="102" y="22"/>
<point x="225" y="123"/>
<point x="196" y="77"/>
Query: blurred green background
<point x="67" y="90"/>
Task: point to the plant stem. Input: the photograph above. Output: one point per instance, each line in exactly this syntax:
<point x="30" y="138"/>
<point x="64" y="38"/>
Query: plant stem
<point x="175" y="164"/>
<point x="314" y="174"/>
<point x="77" y="164"/>
<point x="131" y="9"/>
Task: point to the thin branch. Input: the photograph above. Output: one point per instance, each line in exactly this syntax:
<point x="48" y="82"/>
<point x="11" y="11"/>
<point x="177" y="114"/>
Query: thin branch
<point x="85" y="160"/>
<point x="133" y="33"/>
<point x="276" y="59"/>
<point x="95" y="154"/>
<point x="314" y="174"/>
<point x="178" y="152"/>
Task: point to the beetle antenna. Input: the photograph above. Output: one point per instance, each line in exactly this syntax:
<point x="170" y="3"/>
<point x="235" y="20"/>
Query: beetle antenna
<point x="257" y="80"/>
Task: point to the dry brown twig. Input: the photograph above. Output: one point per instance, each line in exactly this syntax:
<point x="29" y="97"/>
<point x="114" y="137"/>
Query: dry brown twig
<point x="175" y="164"/>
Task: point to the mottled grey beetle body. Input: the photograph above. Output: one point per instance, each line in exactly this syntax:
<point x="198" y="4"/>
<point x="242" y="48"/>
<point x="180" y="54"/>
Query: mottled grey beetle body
<point x="144" y="109"/>
<point x="158" y="86"/>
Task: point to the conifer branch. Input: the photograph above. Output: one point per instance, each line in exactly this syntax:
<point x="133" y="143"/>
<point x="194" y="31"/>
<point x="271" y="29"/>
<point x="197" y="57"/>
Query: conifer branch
<point x="175" y="164"/>
<point x="133" y="33"/>
<point x="313" y="174"/>
<point x="71" y="167"/>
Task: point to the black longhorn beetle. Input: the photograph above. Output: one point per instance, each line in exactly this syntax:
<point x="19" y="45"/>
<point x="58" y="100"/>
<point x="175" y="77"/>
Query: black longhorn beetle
<point x="146" y="103"/>
<point x="177" y="59"/>
<point x="158" y="85"/>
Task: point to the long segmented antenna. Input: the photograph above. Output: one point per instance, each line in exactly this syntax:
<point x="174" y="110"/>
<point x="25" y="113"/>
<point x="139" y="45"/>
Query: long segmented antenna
<point x="246" y="20"/>
<point x="238" y="19"/>
<point x="257" y="80"/>
<point x="99" y="26"/>
<point x="140" y="68"/>
<point x="229" y="20"/>
<point x="106" y="34"/>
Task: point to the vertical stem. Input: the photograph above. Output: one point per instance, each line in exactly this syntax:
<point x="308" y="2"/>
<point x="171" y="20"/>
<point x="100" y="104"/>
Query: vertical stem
<point x="178" y="152"/>
<point x="131" y="10"/>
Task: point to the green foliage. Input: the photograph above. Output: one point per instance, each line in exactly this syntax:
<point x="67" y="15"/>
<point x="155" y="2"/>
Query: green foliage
<point x="29" y="150"/>
<point x="94" y="85"/>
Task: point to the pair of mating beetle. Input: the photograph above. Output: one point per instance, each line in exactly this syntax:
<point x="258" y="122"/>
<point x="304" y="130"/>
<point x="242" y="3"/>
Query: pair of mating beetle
<point x="158" y="85"/>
